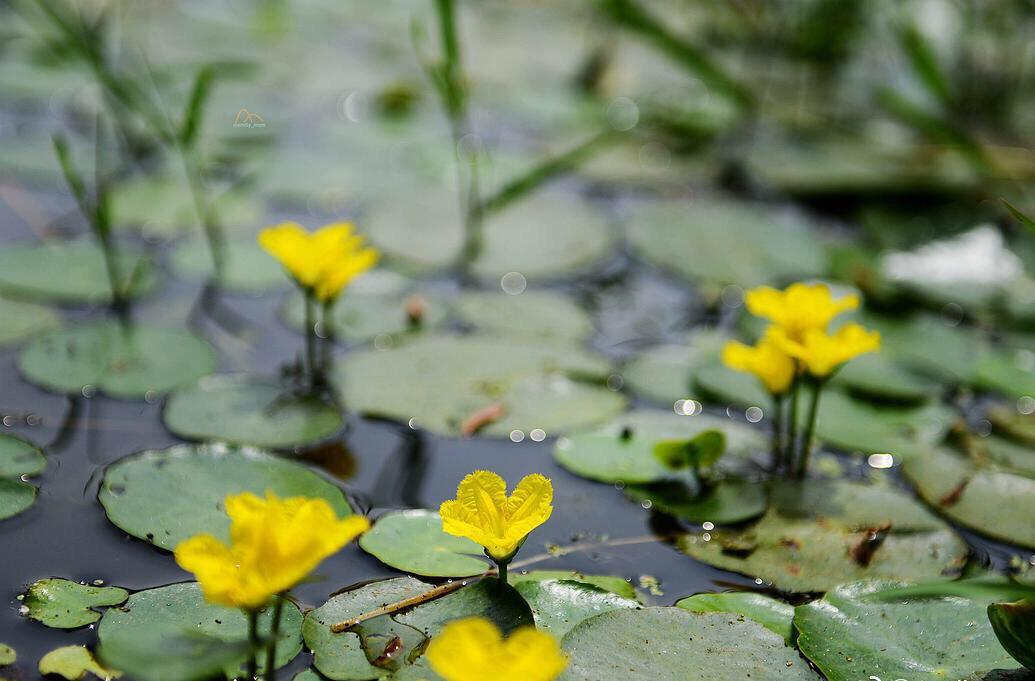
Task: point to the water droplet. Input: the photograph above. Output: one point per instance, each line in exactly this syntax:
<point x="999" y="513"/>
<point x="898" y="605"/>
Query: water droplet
<point x="880" y="460"/>
<point x="537" y="435"/>
<point x="707" y="525"/>
<point x="952" y="314"/>
<point x="732" y="296"/>
<point x="1026" y="405"/>
<point x="623" y="114"/>
<point x="754" y="414"/>
<point x="516" y="436"/>
<point x="615" y="382"/>
<point x="619" y="485"/>
<point x="646" y="503"/>
<point x="89" y="391"/>
<point x="513" y="283"/>
<point x="8" y="421"/>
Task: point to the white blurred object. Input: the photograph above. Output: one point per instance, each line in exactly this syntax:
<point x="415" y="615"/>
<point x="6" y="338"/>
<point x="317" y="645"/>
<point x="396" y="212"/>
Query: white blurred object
<point x="979" y="256"/>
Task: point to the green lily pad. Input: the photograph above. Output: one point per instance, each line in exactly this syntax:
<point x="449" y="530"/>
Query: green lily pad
<point x="413" y="541"/>
<point x="63" y="604"/>
<point x="693" y="239"/>
<point x="441" y="381"/>
<point x="671" y="644"/>
<point x="71" y="272"/>
<point x="851" y="635"/>
<point x="122" y="362"/>
<point x="360" y="652"/>
<point x="545" y="236"/>
<point x="665" y="373"/>
<point x="806" y="540"/>
<point x="1012" y="423"/>
<point x="24" y="320"/>
<point x="172" y="634"/>
<point x="928" y="344"/>
<point x="558" y="605"/>
<point x="843" y="422"/>
<point x="74" y="663"/>
<point x="774" y="615"/>
<point x="1009" y="373"/>
<point x="616" y="585"/>
<point x="376" y="304"/>
<point x="8" y="655"/>
<point x="166" y="496"/>
<point x="249" y="410"/>
<point x="1012" y="623"/>
<point x="539" y="315"/>
<point x="246" y="267"/>
<point x="164" y="207"/>
<point x="17" y="458"/>
<point x="605" y="455"/>
<point x="727" y="501"/>
<point x="991" y="499"/>
<point x="878" y="376"/>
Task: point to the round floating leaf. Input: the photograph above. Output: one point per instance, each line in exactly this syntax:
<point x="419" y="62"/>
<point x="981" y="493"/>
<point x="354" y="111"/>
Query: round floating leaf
<point x="559" y="605"/>
<point x="671" y="644"/>
<point x="24" y="320"/>
<point x="163" y="207"/>
<point x="246" y="267"/>
<point x="1012" y="623"/>
<point x="1013" y="423"/>
<point x="63" y="604"/>
<point x="70" y="272"/>
<point x="693" y="239"/>
<point x="816" y="535"/>
<point x="7" y="655"/>
<point x="929" y="344"/>
<point x="616" y="585"/>
<point x="391" y="642"/>
<point x="441" y="381"/>
<point x="1009" y="373"/>
<point x="252" y="410"/>
<point x="607" y="455"/>
<point x="774" y="615"/>
<point x="544" y="236"/>
<point x="17" y="458"/>
<point x="727" y="501"/>
<point x="993" y="500"/>
<point x="413" y="541"/>
<point x="540" y="315"/>
<point x="166" y="496"/>
<point x="123" y="362"/>
<point x="879" y="377"/>
<point x="171" y="634"/>
<point x="852" y="635"/>
<point x="665" y="373"/>
<point x="377" y="303"/>
<point x="74" y="663"/>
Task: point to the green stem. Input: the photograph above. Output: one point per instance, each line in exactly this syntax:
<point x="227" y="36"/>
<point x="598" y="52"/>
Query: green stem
<point x="271" y="649"/>
<point x="810" y="428"/>
<point x="253" y="640"/>
<point x="214" y="236"/>
<point x="329" y="331"/>
<point x="777" y="435"/>
<point x="310" y="341"/>
<point x="502" y="569"/>
<point x="792" y="426"/>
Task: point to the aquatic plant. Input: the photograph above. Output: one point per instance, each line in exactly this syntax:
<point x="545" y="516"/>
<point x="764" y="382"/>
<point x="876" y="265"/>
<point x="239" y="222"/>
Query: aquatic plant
<point x="474" y="649"/>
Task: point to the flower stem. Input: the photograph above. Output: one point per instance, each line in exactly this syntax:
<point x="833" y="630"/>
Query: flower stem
<point x="271" y="649"/>
<point x="792" y="426"/>
<point x="253" y="641"/>
<point x="777" y="434"/>
<point x="329" y="331"/>
<point x="502" y="569"/>
<point x="310" y="341"/>
<point x="810" y="428"/>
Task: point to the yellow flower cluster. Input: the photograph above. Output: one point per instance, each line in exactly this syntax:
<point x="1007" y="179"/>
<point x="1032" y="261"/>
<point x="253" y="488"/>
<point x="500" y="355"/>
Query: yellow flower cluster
<point x="799" y="339"/>
<point x="474" y="650"/>
<point x="274" y="544"/>
<point x="323" y="262"/>
<point x="484" y="513"/>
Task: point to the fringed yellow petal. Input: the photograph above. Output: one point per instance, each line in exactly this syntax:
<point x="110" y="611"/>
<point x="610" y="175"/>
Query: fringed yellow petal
<point x="767" y="361"/>
<point x="529" y="506"/>
<point x="324" y="262"/>
<point x="800" y="308"/>
<point x="474" y="650"/>
<point x="822" y="353"/>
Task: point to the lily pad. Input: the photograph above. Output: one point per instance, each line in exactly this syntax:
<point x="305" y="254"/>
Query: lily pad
<point x="377" y="303"/>
<point x="122" y="362"/>
<point x="930" y="345"/>
<point x="558" y="605"/>
<point x="727" y="501"/>
<point x="1012" y="423"/>
<point x="606" y="455"/>
<point x="163" y="207"/>
<point x="994" y="500"/>
<point x="246" y="268"/>
<point x="879" y="377"/>
<point x="1012" y="623"/>
<point x="171" y="633"/>
<point x="413" y="541"/>
<point x="441" y="381"/>
<point x="671" y="644"/>
<point x="8" y="655"/>
<point x="74" y="663"/>
<point x="816" y="535"/>
<point x="64" y="604"/>
<point x="381" y="645"/>
<point x="665" y="373"/>
<point x="71" y="272"/>
<point x="24" y="320"/>
<point x="539" y="315"/>
<point x="1009" y="373"/>
<point x="851" y="634"/>
<point x="249" y="410"/>
<point x="546" y="236"/>
<point x="774" y="615"/>
<point x="616" y="585"/>
<point x="166" y="496"/>
<point x="693" y="239"/>
<point x="18" y="458"/>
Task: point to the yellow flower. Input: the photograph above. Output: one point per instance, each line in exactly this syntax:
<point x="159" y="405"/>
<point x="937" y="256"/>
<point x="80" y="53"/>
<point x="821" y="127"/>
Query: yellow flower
<point x="483" y="513"/>
<point x="766" y="361"/>
<point x="821" y="352"/>
<point x="474" y="650"/>
<point x="323" y="262"/>
<point x="274" y="544"/>
<point x="800" y="308"/>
